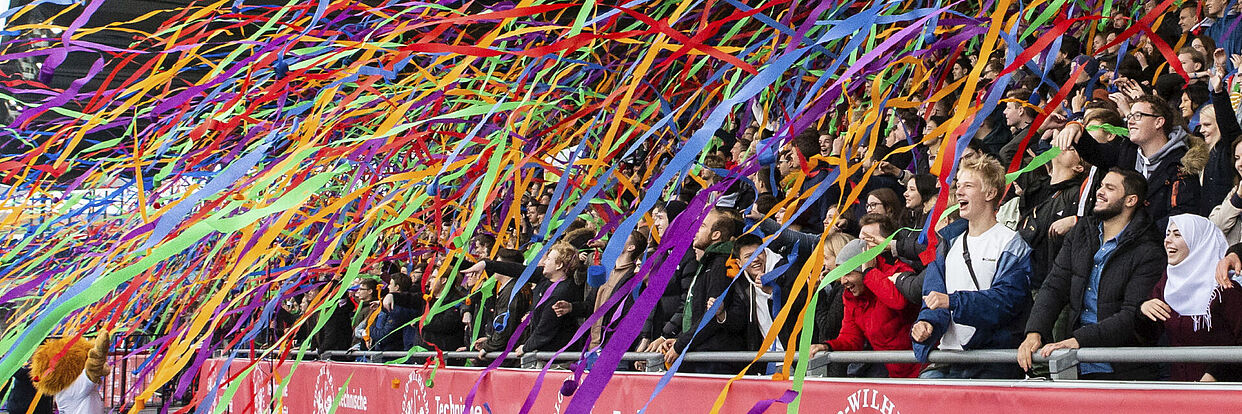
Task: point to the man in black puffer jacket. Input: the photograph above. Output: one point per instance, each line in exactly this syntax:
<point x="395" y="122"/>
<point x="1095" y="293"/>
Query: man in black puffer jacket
<point x="1105" y="270"/>
<point x="726" y="328"/>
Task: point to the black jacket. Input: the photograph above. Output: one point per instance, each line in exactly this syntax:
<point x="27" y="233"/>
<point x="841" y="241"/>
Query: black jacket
<point x="674" y="298"/>
<point x="658" y="323"/>
<point x="829" y="312"/>
<point x="495" y="313"/>
<point x="1055" y="202"/>
<point x="1170" y="191"/>
<point x="547" y="332"/>
<point x="754" y="333"/>
<point x="337" y="333"/>
<point x="445" y="330"/>
<point x="1219" y="173"/>
<point x="712" y="281"/>
<point x="21" y="395"/>
<point x="1125" y="283"/>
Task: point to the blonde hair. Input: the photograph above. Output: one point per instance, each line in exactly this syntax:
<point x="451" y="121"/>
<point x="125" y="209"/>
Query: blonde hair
<point x="568" y="257"/>
<point x="989" y="170"/>
<point x="832" y="246"/>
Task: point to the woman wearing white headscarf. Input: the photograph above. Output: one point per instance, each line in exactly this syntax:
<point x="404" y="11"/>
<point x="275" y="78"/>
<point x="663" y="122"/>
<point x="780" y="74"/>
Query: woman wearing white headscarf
<point x="1193" y="310"/>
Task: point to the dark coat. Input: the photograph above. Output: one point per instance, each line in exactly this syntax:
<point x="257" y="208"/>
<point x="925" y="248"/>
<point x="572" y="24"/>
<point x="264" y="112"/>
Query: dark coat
<point x="547" y="332"/>
<point x="713" y="281"/>
<point x="21" y="395"/>
<point x="1058" y="201"/>
<point x="785" y="281"/>
<point x="337" y="333"/>
<point x="1219" y="173"/>
<point x="1125" y="283"/>
<point x="658" y="322"/>
<point x="445" y="330"/>
<point x="1226" y="324"/>
<point x="498" y="339"/>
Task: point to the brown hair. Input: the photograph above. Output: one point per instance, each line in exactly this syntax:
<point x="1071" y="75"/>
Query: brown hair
<point x="1172" y="119"/>
<point x="887" y="225"/>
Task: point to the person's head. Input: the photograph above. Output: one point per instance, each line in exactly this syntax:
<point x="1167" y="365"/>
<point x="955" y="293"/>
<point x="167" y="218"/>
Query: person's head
<point x="635" y="244"/>
<point x="935" y="121"/>
<point x="1237" y="156"/>
<point x="508" y="255"/>
<point x="1096" y="118"/>
<point x="825" y="143"/>
<point x="853" y="280"/>
<point x="1204" y="45"/>
<point x="1150" y="120"/>
<point x="974" y="149"/>
<point x="1191" y="59"/>
<point x="992" y="70"/>
<point x="920" y="189"/>
<point x="961" y="68"/>
<point x="1207" y="123"/>
<point x="1195" y="243"/>
<point x="1120" y="194"/>
<point x="1112" y="36"/>
<point x="481" y="244"/>
<point x="738" y="151"/>
<point x="659" y="219"/>
<point x="535" y="212"/>
<point x="1174" y="244"/>
<point x="368" y="290"/>
<point x="1068" y="160"/>
<point x="979" y="184"/>
<point x="1214" y="8"/>
<point x="560" y="261"/>
<point x="806" y="143"/>
<point x="1188" y="16"/>
<point x="875" y="228"/>
<point x="1098" y="42"/>
<point x="906" y="126"/>
<point x="401" y="282"/>
<point x="747" y="246"/>
<point x="831" y="222"/>
<point x="885" y="201"/>
<point x="833" y="245"/>
<point x="721" y="225"/>
<point x="1017" y="113"/>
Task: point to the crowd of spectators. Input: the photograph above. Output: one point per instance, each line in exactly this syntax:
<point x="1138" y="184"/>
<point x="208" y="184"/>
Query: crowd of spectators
<point x="1120" y="240"/>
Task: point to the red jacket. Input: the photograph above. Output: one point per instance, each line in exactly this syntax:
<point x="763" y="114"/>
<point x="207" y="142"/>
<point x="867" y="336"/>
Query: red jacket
<point x="880" y="316"/>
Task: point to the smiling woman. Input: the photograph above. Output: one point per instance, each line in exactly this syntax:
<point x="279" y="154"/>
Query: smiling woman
<point x="1187" y="304"/>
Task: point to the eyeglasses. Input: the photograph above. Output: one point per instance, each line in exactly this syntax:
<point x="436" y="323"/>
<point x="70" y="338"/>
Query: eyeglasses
<point x="874" y="205"/>
<point x="1136" y="116"/>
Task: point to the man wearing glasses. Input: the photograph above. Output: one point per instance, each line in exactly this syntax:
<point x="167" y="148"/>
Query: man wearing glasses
<point x="1155" y="149"/>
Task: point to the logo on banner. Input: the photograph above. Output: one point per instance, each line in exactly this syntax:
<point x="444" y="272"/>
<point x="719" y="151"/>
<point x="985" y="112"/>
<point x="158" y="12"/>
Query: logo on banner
<point x="325" y="391"/>
<point x="869" y="401"/>
<point x="415" y="393"/>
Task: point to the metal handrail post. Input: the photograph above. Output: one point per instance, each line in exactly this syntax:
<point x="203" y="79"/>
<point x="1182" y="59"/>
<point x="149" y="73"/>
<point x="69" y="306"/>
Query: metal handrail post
<point x="1063" y="365"/>
<point x="530" y="361"/>
<point x="655" y="363"/>
<point x="818" y="367"/>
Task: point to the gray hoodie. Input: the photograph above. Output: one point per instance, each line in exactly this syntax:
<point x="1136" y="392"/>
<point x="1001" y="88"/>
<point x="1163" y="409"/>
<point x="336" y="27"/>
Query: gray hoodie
<point x="1145" y="165"/>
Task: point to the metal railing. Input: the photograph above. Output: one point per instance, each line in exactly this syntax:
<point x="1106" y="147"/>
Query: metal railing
<point x="1062" y="363"/>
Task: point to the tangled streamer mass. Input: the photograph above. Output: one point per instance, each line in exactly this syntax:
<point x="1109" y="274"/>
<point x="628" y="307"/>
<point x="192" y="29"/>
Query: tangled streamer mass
<point x="241" y="155"/>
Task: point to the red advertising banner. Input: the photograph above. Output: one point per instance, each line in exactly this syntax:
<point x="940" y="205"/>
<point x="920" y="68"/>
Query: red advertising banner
<point x="374" y="388"/>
